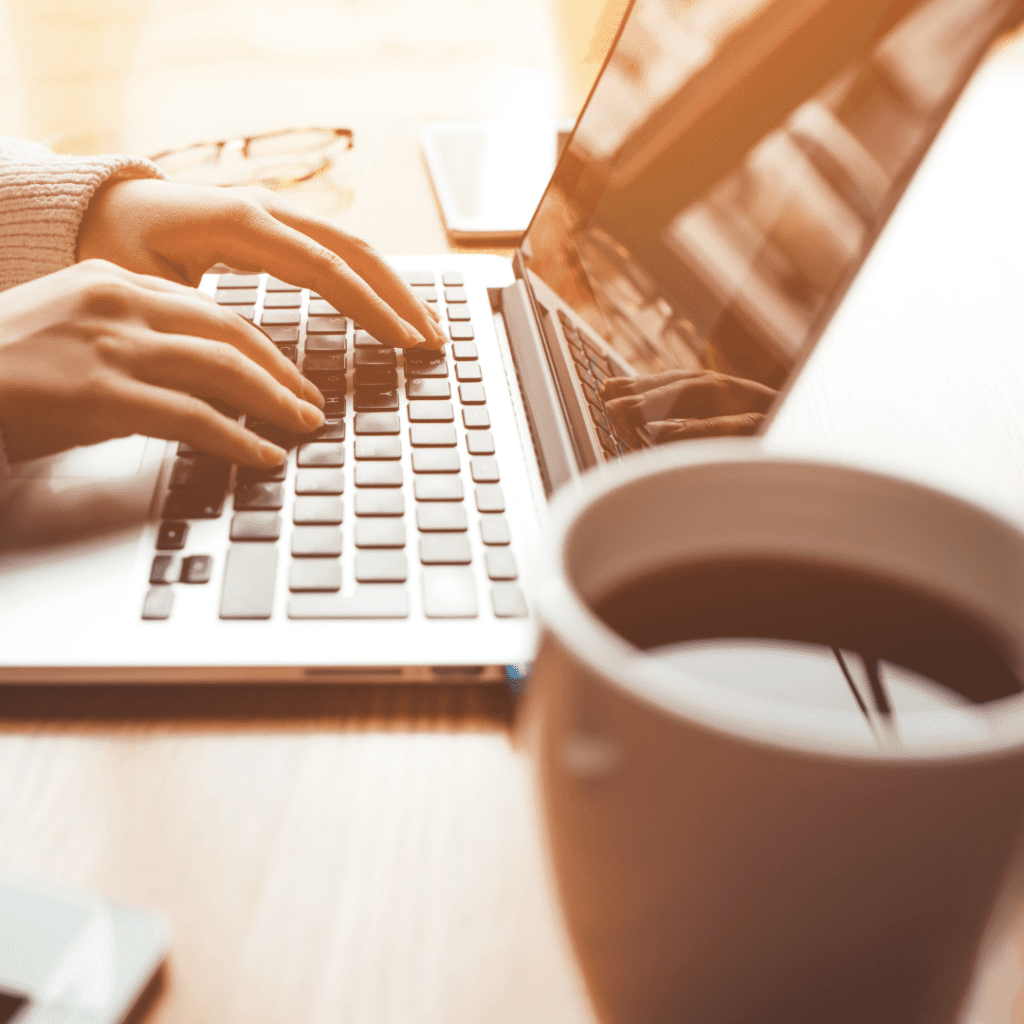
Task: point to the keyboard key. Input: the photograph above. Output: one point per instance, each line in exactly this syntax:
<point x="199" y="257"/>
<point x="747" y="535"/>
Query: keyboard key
<point x="246" y="475"/>
<point x="280" y="316"/>
<point x="165" y="569"/>
<point x="456" y="293"/>
<point x="449" y="594"/>
<point x="364" y="339"/>
<point x="494" y="530"/>
<point x="321" y="453"/>
<point x="158" y="603"/>
<point x="380" y="533"/>
<point x="468" y="371"/>
<point x="425" y="365"/>
<point x="461" y="332"/>
<point x="334" y="405"/>
<point x="435" y="460"/>
<point x="508" y="601"/>
<point x="319" y="510"/>
<point x="235" y="296"/>
<point x="275" y="284"/>
<point x="438" y="488"/>
<point x="259" y="496"/>
<point x="374" y="400"/>
<point x="319" y="574"/>
<point x="431" y="412"/>
<point x="417" y="278"/>
<point x="321" y="307"/>
<point x="314" y="541"/>
<point x="171" y="536"/>
<point x="245" y="312"/>
<point x="290" y="352"/>
<point x="381" y="567"/>
<point x="484" y="469"/>
<point x="474" y="417"/>
<point x="193" y="504"/>
<point x="332" y="430"/>
<point x="472" y="394"/>
<point x="432" y="435"/>
<point x="282" y="335"/>
<point x="441" y="517"/>
<point x="427" y="294"/>
<point x="464" y="350"/>
<point x="379" y="502"/>
<point x="238" y="281"/>
<point x="375" y="357"/>
<point x="445" y="549"/>
<point x="378" y="474"/>
<point x="375" y="377"/>
<point x="282" y="300"/>
<point x="427" y="388"/>
<point x="326" y="325"/>
<point x="319" y="481"/>
<point x="501" y="565"/>
<point x="378" y="448"/>
<point x="200" y="471"/>
<point x="255" y="526"/>
<point x="480" y="442"/>
<point x="452" y="278"/>
<point x="326" y="343"/>
<point x="457" y="313"/>
<point x="326" y="378"/>
<point x="197" y="569"/>
<point x="377" y="423"/>
<point x="249" y="574"/>
<point x="370" y="601"/>
<point x="489" y="498"/>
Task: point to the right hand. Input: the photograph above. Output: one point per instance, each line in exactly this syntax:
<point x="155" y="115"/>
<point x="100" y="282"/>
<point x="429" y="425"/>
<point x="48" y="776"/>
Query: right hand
<point x="95" y="352"/>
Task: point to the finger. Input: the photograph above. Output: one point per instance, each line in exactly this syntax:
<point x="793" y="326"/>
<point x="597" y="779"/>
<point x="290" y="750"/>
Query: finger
<point x="369" y="265"/>
<point x="739" y="425"/>
<point x="215" y="370"/>
<point x="181" y="314"/>
<point x="254" y="238"/>
<point x="616" y="386"/>
<point x="147" y="281"/>
<point x="626" y="412"/>
<point x="161" y="412"/>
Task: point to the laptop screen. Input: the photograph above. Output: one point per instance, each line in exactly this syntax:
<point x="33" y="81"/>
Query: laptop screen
<point x="732" y="166"/>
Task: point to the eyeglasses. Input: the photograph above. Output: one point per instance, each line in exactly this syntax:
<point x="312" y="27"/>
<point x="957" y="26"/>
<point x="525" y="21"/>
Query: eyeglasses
<point x="274" y="159"/>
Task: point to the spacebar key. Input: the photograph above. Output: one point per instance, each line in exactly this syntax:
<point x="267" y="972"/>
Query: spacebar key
<point x="249" y="581"/>
<point x="370" y="601"/>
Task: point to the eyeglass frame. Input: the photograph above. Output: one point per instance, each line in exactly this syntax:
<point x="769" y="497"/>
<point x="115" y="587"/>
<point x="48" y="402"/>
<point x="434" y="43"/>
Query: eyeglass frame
<point x="246" y="140"/>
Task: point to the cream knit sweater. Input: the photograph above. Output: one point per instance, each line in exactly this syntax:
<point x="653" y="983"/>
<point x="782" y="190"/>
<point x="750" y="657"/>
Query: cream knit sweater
<point x="42" y="200"/>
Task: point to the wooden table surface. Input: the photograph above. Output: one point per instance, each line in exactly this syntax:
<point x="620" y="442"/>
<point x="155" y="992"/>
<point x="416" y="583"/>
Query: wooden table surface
<point x="323" y="853"/>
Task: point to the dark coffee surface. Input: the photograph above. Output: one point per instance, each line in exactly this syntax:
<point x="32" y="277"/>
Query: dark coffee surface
<point x="880" y="620"/>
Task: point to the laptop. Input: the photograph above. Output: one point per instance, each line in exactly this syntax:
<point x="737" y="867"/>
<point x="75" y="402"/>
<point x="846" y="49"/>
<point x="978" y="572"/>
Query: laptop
<point x="732" y="167"/>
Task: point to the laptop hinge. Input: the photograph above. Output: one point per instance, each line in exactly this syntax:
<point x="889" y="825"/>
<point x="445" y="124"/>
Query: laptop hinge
<point x="551" y="438"/>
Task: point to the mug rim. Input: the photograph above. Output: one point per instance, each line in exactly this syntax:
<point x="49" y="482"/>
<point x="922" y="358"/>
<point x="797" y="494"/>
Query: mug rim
<point x="565" y="614"/>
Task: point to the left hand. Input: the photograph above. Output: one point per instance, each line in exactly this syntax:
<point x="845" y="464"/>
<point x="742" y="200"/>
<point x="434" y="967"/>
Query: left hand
<point x="683" y="404"/>
<point x="179" y="231"/>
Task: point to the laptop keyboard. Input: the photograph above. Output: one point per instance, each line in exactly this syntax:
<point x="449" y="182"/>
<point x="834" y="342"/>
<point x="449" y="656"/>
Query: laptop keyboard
<point x="391" y="415"/>
<point x="593" y="369"/>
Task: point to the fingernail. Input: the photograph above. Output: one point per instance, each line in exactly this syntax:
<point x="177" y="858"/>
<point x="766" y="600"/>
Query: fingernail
<point x="271" y="454"/>
<point x="312" y="416"/>
<point x="413" y="337"/>
<point x="311" y="393"/>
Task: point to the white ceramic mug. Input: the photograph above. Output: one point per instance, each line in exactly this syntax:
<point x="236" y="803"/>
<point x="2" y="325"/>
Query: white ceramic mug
<point x="723" y="857"/>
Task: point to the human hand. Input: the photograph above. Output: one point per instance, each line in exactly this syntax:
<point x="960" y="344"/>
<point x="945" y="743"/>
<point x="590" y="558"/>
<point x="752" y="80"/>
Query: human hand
<point x="682" y="404"/>
<point x="95" y="352"/>
<point x="179" y="231"/>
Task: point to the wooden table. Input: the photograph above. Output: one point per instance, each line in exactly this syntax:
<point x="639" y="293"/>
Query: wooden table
<point x="324" y="854"/>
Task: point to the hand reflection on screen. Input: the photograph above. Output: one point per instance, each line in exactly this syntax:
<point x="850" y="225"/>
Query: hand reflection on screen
<point x="681" y="404"/>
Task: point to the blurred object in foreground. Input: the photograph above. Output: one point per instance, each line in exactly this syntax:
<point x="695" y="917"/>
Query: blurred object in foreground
<point x="274" y="159"/>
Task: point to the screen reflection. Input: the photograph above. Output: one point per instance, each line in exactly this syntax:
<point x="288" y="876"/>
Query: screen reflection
<point x="725" y="180"/>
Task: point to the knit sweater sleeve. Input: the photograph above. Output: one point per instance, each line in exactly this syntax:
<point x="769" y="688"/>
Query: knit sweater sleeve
<point x="42" y="200"/>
